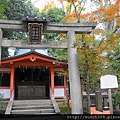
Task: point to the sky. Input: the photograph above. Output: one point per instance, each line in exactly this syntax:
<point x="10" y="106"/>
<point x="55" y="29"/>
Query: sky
<point x="41" y="3"/>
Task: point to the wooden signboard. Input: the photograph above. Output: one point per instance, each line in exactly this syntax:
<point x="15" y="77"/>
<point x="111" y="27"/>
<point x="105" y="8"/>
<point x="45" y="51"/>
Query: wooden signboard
<point x="35" y="32"/>
<point x="108" y="81"/>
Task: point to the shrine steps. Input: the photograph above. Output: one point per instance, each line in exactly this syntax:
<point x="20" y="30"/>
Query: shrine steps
<point x="45" y="106"/>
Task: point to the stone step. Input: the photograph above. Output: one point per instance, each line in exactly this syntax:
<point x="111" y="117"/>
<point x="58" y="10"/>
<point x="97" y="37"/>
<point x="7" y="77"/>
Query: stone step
<point x="32" y="111"/>
<point x="41" y="100"/>
<point x="31" y="107"/>
<point x="44" y="106"/>
<point x="33" y="104"/>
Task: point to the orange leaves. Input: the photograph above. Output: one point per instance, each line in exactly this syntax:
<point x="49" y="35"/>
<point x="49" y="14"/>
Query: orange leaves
<point x="71" y="18"/>
<point x="47" y="6"/>
<point x="97" y="0"/>
<point x="106" y="10"/>
<point x="62" y="36"/>
<point x="109" y="11"/>
<point x="83" y="16"/>
<point x="118" y="22"/>
<point x="100" y="10"/>
<point x="88" y="39"/>
<point x="72" y="0"/>
<point x="94" y="51"/>
<point x="99" y="31"/>
<point x="93" y="18"/>
<point x="117" y="6"/>
<point x="99" y="13"/>
<point x="61" y="1"/>
<point x="78" y="36"/>
<point x="110" y="14"/>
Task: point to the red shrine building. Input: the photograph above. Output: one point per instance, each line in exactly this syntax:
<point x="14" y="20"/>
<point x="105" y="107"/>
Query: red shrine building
<point x="32" y="75"/>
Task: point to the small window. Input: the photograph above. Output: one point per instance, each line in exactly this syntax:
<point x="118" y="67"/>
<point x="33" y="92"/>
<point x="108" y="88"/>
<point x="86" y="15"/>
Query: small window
<point x="58" y="80"/>
<point x="4" y="79"/>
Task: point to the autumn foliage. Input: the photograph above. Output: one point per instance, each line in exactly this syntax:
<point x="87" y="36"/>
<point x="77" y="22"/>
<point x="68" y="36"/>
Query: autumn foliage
<point x="102" y="13"/>
<point x="47" y="6"/>
<point x="93" y="51"/>
<point x="93" y="48"/>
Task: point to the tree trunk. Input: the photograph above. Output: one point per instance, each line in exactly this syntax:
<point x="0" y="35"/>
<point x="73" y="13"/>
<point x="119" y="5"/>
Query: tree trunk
<point x="88" y="86"/>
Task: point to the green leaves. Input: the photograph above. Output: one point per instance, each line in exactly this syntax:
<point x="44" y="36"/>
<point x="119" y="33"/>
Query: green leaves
<point x="13" y="10"/>
<point x="1" y="97"/>
<point x="55" y="15"/>
<point x="18" y="8"/>
<point x="3" y="7"/>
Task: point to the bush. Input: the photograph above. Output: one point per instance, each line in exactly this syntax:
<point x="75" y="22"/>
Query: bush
<point x="65" y="110"/>
<point x="1" y="97"/>
<point x="1" y="103"/>
<point x="117" y="97"/>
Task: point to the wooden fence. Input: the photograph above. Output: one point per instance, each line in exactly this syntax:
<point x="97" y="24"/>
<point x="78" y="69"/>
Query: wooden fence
<point x="100" y="101"/>
<point x="3" y="106"/>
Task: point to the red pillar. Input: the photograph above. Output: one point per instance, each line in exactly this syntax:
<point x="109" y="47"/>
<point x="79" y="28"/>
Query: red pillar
<point x="52" y="82"/>
<point x="12" y="83"/>
<point x="64" y="86"/>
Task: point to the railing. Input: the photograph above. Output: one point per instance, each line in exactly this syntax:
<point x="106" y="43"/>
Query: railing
<point x="99" y="100"/>
<point x="9" y="107"/>
<point x="55" y="105"/>
<point x="10" y="103"/>
<point x="12" y="96"/>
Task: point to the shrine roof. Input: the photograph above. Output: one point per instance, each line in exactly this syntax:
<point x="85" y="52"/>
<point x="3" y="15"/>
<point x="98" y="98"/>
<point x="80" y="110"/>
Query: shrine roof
<point x="32" y="52"/>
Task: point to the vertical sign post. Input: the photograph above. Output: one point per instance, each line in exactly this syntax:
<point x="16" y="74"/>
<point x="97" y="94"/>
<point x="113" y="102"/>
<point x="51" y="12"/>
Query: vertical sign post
<point x="1" y="34"/>
<point x="109" y="82"/>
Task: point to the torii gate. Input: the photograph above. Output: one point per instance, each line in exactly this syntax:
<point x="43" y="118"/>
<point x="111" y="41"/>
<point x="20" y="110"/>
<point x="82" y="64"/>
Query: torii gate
<point x="70" y="29"/>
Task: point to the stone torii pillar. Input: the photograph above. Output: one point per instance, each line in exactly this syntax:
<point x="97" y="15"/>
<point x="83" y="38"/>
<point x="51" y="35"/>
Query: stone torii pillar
<point x="74" y="76"/>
